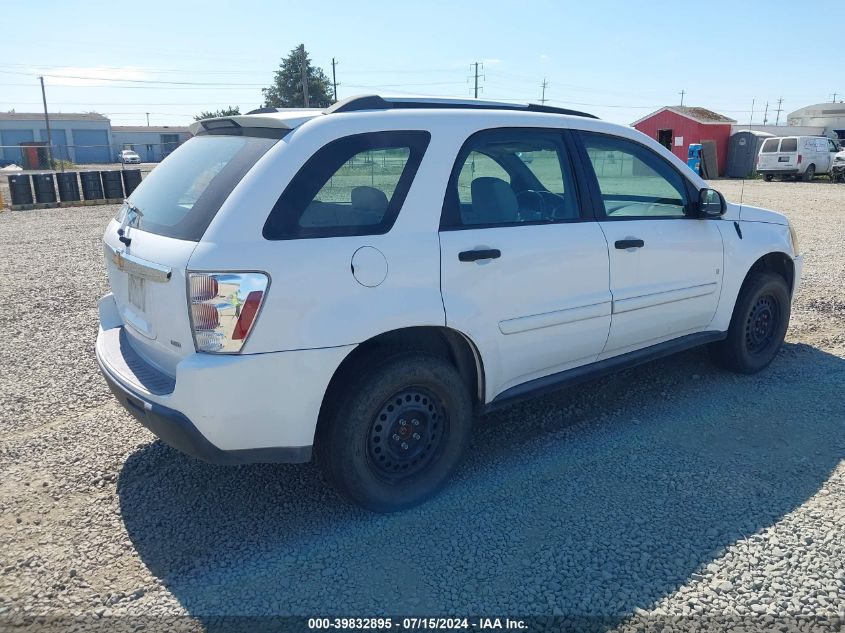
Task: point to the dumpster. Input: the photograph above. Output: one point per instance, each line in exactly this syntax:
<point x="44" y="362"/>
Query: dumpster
<point x="92" y="186"/>
<point x="112" y="184"/>
<point x="20" y="189"/>
<point x="694" y="157"/>
<point x="68" y="186"/>
<point x="45" y="187"/>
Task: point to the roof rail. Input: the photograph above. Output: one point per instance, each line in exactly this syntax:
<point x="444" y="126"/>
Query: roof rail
<point x="376" y="102"/>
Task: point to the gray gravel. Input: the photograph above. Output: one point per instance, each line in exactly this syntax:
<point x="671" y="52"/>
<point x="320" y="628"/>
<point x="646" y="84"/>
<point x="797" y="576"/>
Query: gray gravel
<point x="674" y="489"/>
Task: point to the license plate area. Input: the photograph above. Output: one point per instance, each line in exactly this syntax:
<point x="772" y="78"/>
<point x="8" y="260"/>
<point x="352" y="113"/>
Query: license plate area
<point x="137" y="292"/>
<point x="783" y="159"/>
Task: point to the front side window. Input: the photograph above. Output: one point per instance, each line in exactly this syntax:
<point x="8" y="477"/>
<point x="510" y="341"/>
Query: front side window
<point x="510" y="177"/>
<point x="353" y="186"/>
<point x="634" y="182"/>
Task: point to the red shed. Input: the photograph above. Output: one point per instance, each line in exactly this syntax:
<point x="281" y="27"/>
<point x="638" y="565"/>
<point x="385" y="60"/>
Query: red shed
<point x="675" y="127"/>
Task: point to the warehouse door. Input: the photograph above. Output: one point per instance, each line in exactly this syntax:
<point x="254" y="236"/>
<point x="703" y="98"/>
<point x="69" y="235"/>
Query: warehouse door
<point x="91" y="146"/>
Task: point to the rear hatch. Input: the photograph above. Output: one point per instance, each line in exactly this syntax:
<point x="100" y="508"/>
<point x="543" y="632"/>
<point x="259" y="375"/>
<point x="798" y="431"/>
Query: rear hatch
<point x="779" y="154"/>
<point x="149" y="243"/>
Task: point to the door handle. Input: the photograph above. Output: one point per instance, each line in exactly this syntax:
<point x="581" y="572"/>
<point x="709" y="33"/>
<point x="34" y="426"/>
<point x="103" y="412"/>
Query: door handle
<point x="473" y="256"/>
<point x="632" y="243"/>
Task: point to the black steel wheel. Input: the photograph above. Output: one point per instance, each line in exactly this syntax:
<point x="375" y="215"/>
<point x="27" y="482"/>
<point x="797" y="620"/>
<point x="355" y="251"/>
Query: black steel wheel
<point x="761" y="324"/>
<point x="407" y="433"/>
<point x="758" y="325"/>
<point x="394" y="428"/>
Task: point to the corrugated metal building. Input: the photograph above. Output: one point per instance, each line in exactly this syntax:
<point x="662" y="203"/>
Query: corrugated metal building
<point x="675" y="127"/>
<point x="81" y="138"/>
<point x="152" y="143"/>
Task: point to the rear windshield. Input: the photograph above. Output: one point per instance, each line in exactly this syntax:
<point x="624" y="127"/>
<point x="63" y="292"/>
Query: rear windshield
<point x="771" y="145"/>
<point x="181" y="196"/>
<point x="789" y="145"/>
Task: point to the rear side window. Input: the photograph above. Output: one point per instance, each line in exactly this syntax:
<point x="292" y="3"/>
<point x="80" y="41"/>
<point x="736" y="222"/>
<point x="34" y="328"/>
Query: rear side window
<point x="181" y="196"/>
<point x="771" y="145"/>
<point x="353" y="186"/>
<point x="789" y="145"/>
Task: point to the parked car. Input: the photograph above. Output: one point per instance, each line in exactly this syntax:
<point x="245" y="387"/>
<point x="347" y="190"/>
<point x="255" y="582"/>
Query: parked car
<point x="837" y="172"/>
<point x="363" y="290"/>
<point x="128" y="156"/>
<point x="796" y="156"/>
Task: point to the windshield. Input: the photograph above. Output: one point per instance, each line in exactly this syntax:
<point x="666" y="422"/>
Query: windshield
<point x="181" y="196"/>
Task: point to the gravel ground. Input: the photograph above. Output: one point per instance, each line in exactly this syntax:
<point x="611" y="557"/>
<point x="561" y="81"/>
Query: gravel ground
<point x="674" y="493"/>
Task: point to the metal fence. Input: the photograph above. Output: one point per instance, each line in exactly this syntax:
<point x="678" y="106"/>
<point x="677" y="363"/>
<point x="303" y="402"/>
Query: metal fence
<point x="38" y="156"/>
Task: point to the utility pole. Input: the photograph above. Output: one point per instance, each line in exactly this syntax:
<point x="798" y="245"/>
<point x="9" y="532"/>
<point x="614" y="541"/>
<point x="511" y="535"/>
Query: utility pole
<point x="334" y="78"/>
<point x="475" y="92"/>
<point x="766" y="114"/>
<point x="682" y="93"/>
<point x="835" y="94"/>
<point x="304" y="70"/>
<point x="148" y="119"/>
<point x="544" y="85"/>
<point x="47" y="124"/>
<point x="777" y="119"/>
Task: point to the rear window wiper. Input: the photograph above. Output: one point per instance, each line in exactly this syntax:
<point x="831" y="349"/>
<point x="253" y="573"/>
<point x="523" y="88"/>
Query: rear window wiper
<point x="130" y="218"/>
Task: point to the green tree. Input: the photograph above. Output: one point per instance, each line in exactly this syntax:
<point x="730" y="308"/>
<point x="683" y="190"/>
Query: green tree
<point x="227" y="111"/>
<point x="286" y="90"/>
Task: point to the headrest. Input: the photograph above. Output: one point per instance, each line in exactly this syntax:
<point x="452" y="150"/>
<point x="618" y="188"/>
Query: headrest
<point x="369" y="199"/>
<point x="493" y="200"/>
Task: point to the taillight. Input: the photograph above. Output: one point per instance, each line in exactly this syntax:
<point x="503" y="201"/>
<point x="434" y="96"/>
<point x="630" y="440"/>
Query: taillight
<point x="799" y="159"/>
<point x="223" y="309"/>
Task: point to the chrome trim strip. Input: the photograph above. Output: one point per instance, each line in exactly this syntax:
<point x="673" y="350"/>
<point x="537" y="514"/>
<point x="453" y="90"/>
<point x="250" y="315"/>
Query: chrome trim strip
<point x="140" y="267"/>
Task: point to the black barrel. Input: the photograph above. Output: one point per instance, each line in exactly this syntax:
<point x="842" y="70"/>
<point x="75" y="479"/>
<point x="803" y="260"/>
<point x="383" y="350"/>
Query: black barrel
<point x="131" y="179"/>
<point x="20" y="188"/>
<point x="112" y="184"/>
<point x="45" y="187"/>
<point x="92" y="186"/>
<point x="68" y="186"/>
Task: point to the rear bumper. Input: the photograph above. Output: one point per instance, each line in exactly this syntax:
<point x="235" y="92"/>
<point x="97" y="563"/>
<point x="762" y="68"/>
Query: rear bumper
<point x="779" y="172"/>
<point x="224" y="409"/>
<point x="176" y="430"/>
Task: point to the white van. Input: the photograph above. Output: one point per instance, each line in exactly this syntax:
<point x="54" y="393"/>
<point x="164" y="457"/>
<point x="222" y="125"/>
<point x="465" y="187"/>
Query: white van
<point x="798" y="156"/>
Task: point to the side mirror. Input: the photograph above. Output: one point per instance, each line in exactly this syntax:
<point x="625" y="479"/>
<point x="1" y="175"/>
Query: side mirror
<point x="711" y="204"/>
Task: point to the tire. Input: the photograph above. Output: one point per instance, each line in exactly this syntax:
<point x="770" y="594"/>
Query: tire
<point x="758" y="325"/>
<point x="807" y="176"/>
<point x="394" y="433"/>
<point x="768" y="177"/>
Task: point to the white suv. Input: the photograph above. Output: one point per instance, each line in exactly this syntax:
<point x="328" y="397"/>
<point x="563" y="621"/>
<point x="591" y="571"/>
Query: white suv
<point x="365" y="280"/>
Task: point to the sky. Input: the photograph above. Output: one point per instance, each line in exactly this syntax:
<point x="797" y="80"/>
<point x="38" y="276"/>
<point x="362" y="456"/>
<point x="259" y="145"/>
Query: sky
<point x="617" y="60"/>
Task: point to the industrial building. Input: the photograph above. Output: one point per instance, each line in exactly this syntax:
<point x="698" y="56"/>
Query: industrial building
<point x="82" y="138"/>
<point x="829" y="116"/>
<point x="152" y="143"/>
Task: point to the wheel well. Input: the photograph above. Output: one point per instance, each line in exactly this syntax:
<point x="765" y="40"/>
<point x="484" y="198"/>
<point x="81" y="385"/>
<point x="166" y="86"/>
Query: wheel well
<point x="778" y="263"/>
<point x="440" y="341"/>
